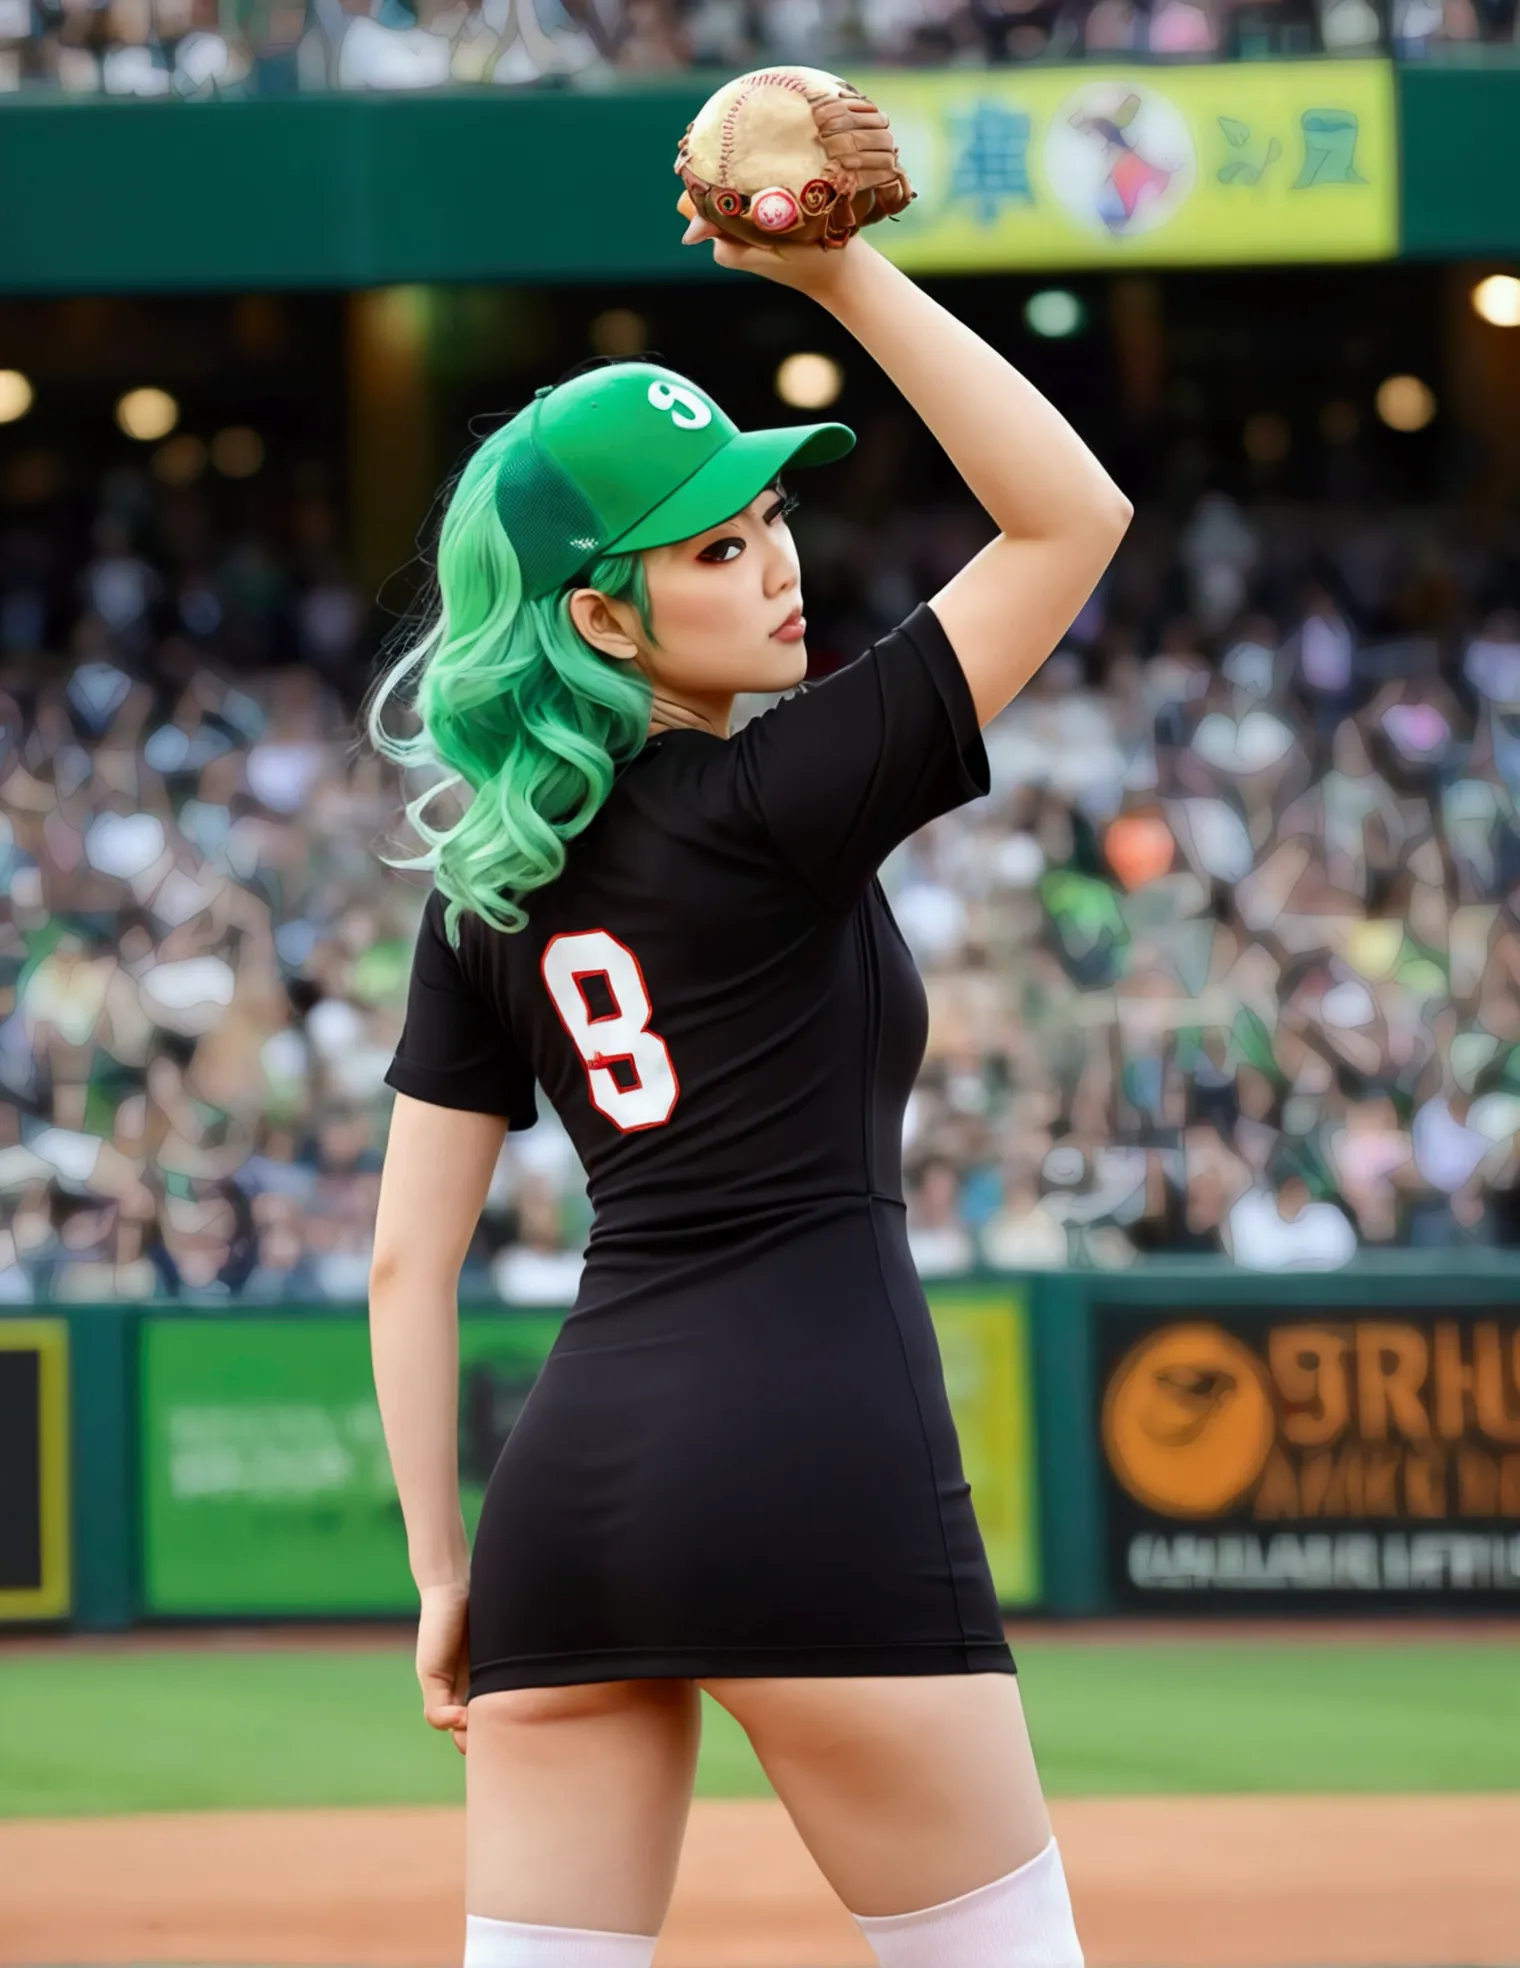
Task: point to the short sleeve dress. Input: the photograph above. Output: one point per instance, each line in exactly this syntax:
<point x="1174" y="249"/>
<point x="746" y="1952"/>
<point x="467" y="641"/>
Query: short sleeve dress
<point x="739" y="1458"/>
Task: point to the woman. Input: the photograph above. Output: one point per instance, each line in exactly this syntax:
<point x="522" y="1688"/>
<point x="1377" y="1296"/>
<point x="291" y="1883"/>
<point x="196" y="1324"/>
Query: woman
<point x="738" y="1470"/>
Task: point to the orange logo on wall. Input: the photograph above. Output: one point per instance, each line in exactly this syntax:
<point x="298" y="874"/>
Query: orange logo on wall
<point x="1188" y="1421"/>
<point x="1371" y="1417"/>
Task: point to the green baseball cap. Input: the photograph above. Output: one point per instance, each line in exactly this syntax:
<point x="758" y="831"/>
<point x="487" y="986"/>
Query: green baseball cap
<point x="628" y="456"/>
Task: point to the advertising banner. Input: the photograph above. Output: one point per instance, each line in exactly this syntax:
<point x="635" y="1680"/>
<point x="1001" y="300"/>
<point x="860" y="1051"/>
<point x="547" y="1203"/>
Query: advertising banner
<point x="1103" y="166"/>
<point x="984" y="1346"/>
<point x="267" y="1489"/>
<point x="35" y="1528"/>
<point x="266" y="1484"/>
<point x="1289" y="1458"/>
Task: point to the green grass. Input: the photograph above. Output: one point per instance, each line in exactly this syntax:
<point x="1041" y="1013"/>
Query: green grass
<point x="176" y="1729"/>
<point x="1234" y="1716"/>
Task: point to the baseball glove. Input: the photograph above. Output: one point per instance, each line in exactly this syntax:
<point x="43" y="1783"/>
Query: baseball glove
<point x="791" y="156"/>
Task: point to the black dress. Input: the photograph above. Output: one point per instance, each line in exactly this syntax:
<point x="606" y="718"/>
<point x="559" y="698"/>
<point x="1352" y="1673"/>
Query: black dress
<point x="739" y="1458"/>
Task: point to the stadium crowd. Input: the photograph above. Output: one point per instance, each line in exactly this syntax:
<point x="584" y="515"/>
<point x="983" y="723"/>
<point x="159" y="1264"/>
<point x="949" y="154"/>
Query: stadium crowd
<point x="1228" y="961"/>
<point x="191" y="48"/>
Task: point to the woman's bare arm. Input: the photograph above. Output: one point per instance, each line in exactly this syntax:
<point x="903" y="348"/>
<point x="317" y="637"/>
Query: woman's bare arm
<point x="1059" y="513"/>
<point x="1060" y="516"/>
<point x="438" y="1167"/>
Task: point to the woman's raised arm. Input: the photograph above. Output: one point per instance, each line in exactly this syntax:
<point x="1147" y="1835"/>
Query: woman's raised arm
<point x="1060" y="516"/>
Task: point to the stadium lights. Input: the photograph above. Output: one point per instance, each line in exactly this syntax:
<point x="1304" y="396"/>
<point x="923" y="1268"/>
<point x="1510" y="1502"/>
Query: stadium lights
<point x="15" y="395"/>
<point x="1338" y="422"/>
<point x="179" y="462"/>
<point x="1405" y="403"/>
<point x="1054" y="313"/>
<point x="237" y="452"/>
<point x="1497" y="300"/>
<point x="1267" y="438"/>
<point x="147" y="414"/>
<point x="809" y="382"/>
<point x="619" y="332"/>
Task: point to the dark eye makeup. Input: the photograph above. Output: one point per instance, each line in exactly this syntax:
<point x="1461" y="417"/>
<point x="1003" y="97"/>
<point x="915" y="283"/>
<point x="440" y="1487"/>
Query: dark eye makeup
<point x="716" y="551"/>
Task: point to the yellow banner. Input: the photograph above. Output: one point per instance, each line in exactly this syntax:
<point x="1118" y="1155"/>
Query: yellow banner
<point x="36" y="1536"/>
<point x="984" y="1345"/>
<point x="1099" y="166"/>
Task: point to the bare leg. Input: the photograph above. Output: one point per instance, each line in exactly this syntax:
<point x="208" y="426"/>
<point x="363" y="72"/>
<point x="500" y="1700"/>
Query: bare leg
<point x="907" y="1791"/>
<point x="577" y="1800"/>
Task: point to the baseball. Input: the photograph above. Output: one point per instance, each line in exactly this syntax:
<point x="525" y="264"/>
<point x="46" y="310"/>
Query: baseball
<point x="790" y="155"/>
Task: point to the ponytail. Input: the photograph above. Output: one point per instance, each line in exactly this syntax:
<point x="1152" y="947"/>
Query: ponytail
<point x="513" y="704"/>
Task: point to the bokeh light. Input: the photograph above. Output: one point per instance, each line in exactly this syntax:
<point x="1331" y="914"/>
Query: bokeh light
<point x="1267" y="438"/>
<point x="1054" y="313"/>
<point x="147" y="414"/>
<point x="237" y="452"/>
<point x="809" y="382"/>
<point x="619" y="332"/>
<point x="15" y="395"/>
<point x="1405" y="403"/>
<point x="32" y="477"/>
<point x="179" y="462"/>
<point x="1339" y="422"/>
<point x="1497" y="300"/>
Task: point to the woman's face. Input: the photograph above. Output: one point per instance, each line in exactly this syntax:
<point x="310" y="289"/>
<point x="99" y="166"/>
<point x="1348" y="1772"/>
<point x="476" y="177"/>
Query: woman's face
<point x="725" y="607"/>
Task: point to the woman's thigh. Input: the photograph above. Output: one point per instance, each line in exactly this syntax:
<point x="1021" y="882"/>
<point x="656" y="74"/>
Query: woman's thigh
<point x="576" y="1802"/>
<point x="907" y="1791"/>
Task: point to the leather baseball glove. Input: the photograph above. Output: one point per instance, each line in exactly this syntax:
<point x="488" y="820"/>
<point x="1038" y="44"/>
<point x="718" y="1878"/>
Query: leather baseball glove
<point x="788" y="156"/>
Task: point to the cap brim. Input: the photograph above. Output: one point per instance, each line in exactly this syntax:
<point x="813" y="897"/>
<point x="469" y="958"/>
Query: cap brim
<point x="730" y="479"/>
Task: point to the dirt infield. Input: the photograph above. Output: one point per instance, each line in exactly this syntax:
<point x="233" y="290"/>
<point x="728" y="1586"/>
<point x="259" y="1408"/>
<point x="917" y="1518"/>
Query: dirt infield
<point x="1238" y="1882"/>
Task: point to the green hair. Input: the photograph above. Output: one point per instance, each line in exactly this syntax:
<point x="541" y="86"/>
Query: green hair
<point x="513" y="704"/>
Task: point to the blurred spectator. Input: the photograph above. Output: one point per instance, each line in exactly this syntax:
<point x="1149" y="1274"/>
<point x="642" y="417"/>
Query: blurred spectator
<point x="1279" y="1228"/>
<point x="1228" y="961"/>
<point x="190" y="48"/>
<point x="937" y="1236"/>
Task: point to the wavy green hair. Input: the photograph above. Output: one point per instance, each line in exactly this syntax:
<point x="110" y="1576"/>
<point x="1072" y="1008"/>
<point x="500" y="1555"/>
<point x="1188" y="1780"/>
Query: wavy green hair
<point x="513" y="704"/>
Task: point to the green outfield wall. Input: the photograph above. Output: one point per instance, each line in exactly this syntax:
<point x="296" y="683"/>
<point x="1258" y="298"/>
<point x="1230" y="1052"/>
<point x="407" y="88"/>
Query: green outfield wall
<point x="1460" y="144"/>
<point x="1182" y="1439"/>
<point x="1257" y="162"/>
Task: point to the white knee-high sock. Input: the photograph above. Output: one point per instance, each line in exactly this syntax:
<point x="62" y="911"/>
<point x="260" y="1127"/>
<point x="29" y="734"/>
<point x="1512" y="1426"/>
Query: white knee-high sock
<point x="1021" y="1921"/>
<point x="511" y="1944"/>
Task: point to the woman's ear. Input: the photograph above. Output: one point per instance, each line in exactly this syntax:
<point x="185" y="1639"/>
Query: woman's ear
<point x="604" y="624"/>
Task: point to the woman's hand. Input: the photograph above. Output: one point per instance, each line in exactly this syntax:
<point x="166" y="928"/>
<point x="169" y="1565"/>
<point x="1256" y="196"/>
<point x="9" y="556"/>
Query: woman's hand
<point x="443" y="1659"/>
<point x="816" y="270"/>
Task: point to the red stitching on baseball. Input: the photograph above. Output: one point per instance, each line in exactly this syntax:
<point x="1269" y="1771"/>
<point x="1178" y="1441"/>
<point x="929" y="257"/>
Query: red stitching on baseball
<point x="726" y="145"/>
<point x="778" y="78"/>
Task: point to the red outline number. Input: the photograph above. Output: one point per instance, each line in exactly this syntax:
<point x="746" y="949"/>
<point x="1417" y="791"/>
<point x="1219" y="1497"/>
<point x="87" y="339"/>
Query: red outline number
<point x="619" y="1037"/>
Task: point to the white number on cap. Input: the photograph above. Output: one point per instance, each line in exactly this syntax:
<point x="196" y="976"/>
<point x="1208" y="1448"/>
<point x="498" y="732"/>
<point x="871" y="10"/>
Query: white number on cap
<point x="686" y="408"/>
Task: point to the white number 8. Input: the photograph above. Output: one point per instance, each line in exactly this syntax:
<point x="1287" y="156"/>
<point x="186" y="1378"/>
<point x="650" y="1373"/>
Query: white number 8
<point x="686" y="408"/>
<point x="621" y="1036"/>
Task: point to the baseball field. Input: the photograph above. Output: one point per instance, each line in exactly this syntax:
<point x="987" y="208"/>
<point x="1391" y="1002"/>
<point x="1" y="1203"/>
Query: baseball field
<point x="1255" y="1798"/>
